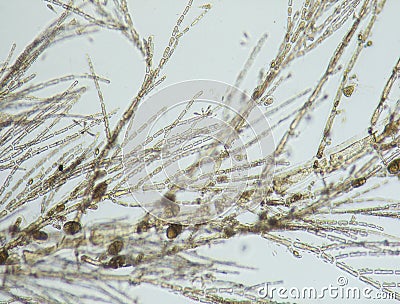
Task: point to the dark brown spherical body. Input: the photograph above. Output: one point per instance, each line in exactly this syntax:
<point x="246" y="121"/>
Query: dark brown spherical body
<point x="72" y="227"/>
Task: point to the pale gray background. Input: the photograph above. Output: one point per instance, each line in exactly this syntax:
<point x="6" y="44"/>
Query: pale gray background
<point x="212" y="50"/>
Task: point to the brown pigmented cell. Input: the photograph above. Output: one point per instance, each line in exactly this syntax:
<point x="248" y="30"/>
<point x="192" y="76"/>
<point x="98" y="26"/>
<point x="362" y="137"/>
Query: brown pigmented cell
<point x="267" y="100"/>
<point x="143" y="226"/>
<point x="3" y="256"/>
<point x="222" y="179"/>
<point x="115" y="247"/>
<point x="349" y="90"/>
<point x="39" y="235"/>
<point x="60" y="208"/>
<point x="358" y="182"/>
<point x="262" y="215"/>
<point x="229" y="231"/>
<point x="93" y="207"/>
<point x="246" y="195"/>
<point x="15" y="228"/>
<point x="72" y="227"/>
<point x="99" y="191"/>
<point x="170" y="196"/>
<point x="256" y="94"/>
<point x="206" y="6"/>
<point x="296" y="254"/>
<point x="171" y="209"/>
<point x="394" y="166"/>
<point x="117" y="262"/>
<point x="173" y="231"/>
<point x="273" y="222"/>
